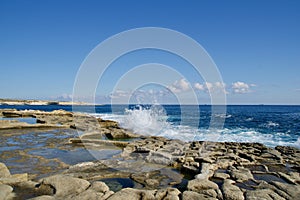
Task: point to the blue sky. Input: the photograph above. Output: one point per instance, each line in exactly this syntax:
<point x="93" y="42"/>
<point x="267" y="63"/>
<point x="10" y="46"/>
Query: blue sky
<point x="255" y="45"/>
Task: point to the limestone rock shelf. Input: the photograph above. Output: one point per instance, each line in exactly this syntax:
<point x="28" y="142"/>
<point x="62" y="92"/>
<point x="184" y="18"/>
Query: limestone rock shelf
<point x="159" y="168"/>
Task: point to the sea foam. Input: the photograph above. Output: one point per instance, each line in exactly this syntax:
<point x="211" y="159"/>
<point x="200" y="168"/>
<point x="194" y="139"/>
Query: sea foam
<point x="153" y="120"/>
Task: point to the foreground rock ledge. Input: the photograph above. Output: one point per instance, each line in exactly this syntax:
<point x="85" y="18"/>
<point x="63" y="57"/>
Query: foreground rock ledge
<point x="217" y="170"/>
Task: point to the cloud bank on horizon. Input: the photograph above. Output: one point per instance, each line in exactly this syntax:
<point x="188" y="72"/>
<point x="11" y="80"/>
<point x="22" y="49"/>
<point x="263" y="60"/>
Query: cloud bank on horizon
<point x="166" y="95"/>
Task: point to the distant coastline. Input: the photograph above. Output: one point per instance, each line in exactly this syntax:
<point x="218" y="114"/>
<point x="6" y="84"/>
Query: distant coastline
<point x="40" y="102"/>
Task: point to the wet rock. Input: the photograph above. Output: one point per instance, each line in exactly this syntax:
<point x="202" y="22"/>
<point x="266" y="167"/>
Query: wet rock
<point x="120" y="144"/>
<point x="65" y="185"/>
<point x="5" y="190"/>
<point x="231" y="192"/>
<point x="152" y="183"/>
<point x="4" y="172"/>
<point x="150" y="179"/>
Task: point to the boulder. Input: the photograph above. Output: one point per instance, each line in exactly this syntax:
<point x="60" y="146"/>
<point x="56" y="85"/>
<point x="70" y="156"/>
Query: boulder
<point x="65" y="185"/>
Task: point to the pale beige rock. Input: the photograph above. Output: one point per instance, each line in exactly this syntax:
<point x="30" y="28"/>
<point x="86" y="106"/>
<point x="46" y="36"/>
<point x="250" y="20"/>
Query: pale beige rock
<point x="198" y="185"/>
<point x="133" y="194"/>
<point x="43" y="197"/>
<point x="99" y="186"/>
<point x="231" y="192"/>
<point x="265" y="194"/>
<point x="4" y="172"/>
<point x="190" y="195"/>
<point x="66" y="185"/>
<point x="14" y="179"/>
<point x="5" y="190"/>
<point x="221" y="175"/>
<point x="292" y="190"/>
<point x="241" y="174"/>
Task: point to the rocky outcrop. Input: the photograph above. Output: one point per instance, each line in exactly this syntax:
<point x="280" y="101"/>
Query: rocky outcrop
<point x="13" y="124"/>
<point x="93" y="128"/>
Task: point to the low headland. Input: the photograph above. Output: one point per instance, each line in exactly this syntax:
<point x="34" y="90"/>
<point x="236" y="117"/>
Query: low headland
<point x="150" y="167"/>
<point x="39" y="102"/>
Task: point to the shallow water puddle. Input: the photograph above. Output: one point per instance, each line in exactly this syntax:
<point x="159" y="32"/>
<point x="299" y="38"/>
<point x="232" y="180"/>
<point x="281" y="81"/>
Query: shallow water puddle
<point x="268" y="177"/>
<point x="116" y="184"/>
<point x="41" y="152"/>
<point x="248" y="185"/>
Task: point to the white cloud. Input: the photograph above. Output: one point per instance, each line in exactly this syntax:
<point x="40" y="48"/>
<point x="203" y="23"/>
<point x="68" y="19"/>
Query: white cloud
<point x="179" y="86"/>
<point x="241" y="87"/>
<point x="119" y="94"/>
<point x="211" y="87"/>
<point x="199" y="86"/>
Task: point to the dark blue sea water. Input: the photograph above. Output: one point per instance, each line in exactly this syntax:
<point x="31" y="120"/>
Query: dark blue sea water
<point x="269" y="124"/>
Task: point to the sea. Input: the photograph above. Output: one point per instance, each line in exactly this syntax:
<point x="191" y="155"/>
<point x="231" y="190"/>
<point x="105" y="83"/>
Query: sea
<point x="271" y="125"/>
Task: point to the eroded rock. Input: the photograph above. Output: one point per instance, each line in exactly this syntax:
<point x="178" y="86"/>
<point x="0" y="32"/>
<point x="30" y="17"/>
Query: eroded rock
<point x="231" y="192"/>
<point x="65" y="185"/>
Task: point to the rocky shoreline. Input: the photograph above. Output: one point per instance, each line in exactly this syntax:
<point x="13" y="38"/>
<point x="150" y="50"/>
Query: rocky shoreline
<point x="157" y="167"/>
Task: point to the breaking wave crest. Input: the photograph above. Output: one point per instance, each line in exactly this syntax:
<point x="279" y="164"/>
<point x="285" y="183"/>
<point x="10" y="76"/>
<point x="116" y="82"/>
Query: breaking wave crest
<point x="153" y="120"/>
